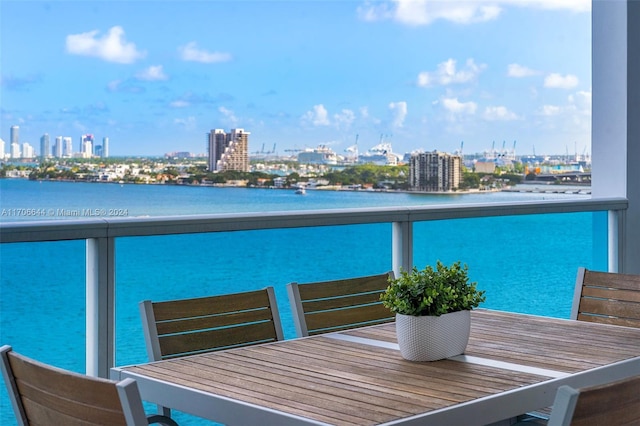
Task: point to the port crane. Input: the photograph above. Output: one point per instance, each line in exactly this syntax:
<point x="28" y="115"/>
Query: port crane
<point x="262" y="151"/>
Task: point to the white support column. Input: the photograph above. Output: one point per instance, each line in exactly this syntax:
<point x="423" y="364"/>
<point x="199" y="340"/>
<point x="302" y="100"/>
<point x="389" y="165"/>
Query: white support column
<point x="615" y="124"/>
<point x="631" y="218"/>
<point x="100" y="305"/>
<point x="402" y="247"/>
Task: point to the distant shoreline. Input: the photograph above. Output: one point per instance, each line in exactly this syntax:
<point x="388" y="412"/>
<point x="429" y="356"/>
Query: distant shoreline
<point x="528" y="187"/>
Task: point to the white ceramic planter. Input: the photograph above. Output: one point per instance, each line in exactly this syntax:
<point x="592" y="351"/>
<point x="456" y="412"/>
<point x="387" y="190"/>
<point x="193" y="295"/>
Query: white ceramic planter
<point x="430" y="338"/>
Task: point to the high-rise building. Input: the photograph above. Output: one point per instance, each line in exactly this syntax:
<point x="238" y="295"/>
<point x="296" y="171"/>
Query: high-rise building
<point x="15" y="150"/>
<point x="86" y="146"/>
<point x="228" y="151"/>
<point x="67" y="147"/>
<point x="216" y="142"/>
<point x="15" y="135"/>
<point x="435" y="172"/>
<point x="28" y="151"/>
<point x="57" y="148"/>
<point x="44" y="147"/>
<point x="2" y="148"/>
<point x="105" y="147"/>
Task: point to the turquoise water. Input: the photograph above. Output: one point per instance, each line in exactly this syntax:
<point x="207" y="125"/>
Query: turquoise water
<point x="525" y="263"/>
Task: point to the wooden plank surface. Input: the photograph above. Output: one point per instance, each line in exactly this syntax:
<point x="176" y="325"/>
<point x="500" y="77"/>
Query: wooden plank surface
<point x="541" y="342"/>
<point x="351" y="383"/>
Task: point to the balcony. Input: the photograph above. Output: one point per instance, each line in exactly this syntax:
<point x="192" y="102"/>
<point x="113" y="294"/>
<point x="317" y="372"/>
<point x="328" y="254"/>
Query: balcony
<point x="102" y="306"/>
<point x="223" y="253"/>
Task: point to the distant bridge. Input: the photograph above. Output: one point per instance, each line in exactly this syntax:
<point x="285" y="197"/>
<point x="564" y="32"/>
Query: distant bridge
<point x="566" y="177"/>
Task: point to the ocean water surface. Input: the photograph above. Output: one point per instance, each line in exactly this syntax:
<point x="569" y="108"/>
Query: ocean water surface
<point x="524" y="263"/>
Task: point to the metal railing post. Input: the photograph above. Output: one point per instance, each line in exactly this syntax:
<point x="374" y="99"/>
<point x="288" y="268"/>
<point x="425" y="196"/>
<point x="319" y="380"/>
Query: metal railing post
<point x="100" y="305"/>
<point x="615" y="235"/>
<point x="402" y="246"/>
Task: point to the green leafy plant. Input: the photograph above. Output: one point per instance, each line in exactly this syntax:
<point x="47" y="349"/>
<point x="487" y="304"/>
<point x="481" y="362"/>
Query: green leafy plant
<point x="432" y="291"/>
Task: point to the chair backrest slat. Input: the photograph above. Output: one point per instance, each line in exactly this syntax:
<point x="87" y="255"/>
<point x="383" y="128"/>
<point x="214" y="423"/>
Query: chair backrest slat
<point x="606" y="297"/>
<point x="347" y="318"/>
<point x="183" y="327"/>
<point x="336" y="305"/>
<point x="202" y="306"/>
<point x="178" y="345"/>
<point x="189" y="324"/>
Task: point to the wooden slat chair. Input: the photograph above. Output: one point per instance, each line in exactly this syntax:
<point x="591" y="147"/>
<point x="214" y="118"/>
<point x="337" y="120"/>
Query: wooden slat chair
<point x="45" y="395"/>
<point x="606" y="297"/>
<point x="328" y="306"/>
<point x="611" y="404"/>
<point x="603" y="297"/>
<point x="177" y="328"/>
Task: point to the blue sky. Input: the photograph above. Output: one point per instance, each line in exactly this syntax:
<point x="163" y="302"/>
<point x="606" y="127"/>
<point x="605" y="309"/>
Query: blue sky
<point x="156" y="76"/>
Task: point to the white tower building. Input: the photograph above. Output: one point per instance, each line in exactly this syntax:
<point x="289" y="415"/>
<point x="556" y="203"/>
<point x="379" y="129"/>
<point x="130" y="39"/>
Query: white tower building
<point x="15" y="150"/>
<point x="57" y="148"/>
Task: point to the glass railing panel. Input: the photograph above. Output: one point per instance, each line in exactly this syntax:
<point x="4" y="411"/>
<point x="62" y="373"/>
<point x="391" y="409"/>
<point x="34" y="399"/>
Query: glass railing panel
<point x="524" y="263"/>
<point x="183" y="266"/>
<point x="42" y="305"/>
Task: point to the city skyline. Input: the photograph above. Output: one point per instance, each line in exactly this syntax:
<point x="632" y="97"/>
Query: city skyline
<point x="421" y="75"/>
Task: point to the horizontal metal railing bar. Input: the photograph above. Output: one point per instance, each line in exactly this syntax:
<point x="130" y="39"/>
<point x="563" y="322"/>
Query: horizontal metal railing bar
<point x="13" y="232"/>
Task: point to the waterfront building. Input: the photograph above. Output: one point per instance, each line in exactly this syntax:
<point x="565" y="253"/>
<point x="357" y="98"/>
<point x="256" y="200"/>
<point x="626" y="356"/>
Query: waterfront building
<point x="28" y="151"/>
<point x="435" y="172"/>
<point x="57" y="147"/>
<point x="228" y="151"/>
<point x="44" y="147"/>
<point x="15" y="135"/>
<point x="484" y="166"/>
<point x="86" y="146"/>
<point x="216" y="141"/>
<point x="105" y="147"/>
<point x="2" y="148"/>
<point x="14" y="150"/>
<point x="67" y="146"/>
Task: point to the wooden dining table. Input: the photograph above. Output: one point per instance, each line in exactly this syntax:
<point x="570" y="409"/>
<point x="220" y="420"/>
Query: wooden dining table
<point x="513" y="364"/>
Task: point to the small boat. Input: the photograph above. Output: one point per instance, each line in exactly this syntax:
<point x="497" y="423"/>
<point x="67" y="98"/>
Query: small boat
<point x="301" y="190"/>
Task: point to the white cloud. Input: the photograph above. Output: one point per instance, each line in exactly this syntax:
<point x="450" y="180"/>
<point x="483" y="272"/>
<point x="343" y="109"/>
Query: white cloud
<point x="188" y="123"/>
<point x="518" y="71"/>
<point x="578" y="105"/>
<point x="425" y="12"/>
<point x="111" y="47"/>
<point x="114" y="85"/>
<point x="557" y="81"/>
<point x="582" y="101"/>
<point x="570" y="5"/>
<point x="229" y="116"/>
<point x="399" y="110"/>
<point x="180" y="103"/>
<point x="318" y="117"/>
<point x="153" y="73"/>
<point x="447" y="73"/>
<point x="499" y="113"/>
<point x="453" y="105"/>
<point x="377" y="11"/>
<point x="124" y="86"/>
<point x="344" y="119"/>
<point x="191" y="52"/>
<point x="550" y="110"/>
